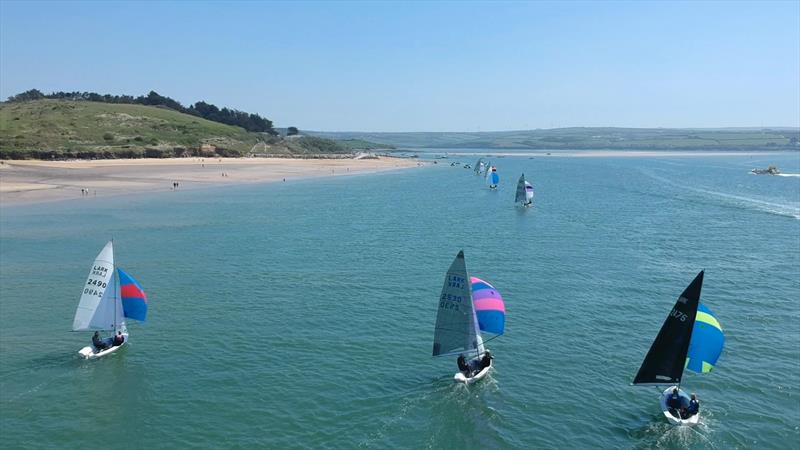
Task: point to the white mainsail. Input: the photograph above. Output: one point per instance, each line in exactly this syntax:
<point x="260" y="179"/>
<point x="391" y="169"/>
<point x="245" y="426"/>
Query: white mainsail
<point x="99" y="307"/>
<point x="528" y="192"/>
<point x="456" y="324"/>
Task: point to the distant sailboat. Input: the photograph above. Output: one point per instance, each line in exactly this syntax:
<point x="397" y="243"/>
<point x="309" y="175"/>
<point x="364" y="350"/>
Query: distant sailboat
<point x="479" y="166"/>
<point x="109" y="296"/>
<point x="524" y="192"/>
<point x="691" y="337"/>
<point x="467" y="306"/>
<point x="492" y="177"/>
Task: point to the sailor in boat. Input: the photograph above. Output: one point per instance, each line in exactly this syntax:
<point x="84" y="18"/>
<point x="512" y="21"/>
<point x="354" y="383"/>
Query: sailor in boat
<point x="694" y="406"/>
<point x="118" y="339"/>
<point x="674" y="403"/>
<point x="463" y="367"/>
<point x="486" y="361"/>
<point x="97" y="341"/>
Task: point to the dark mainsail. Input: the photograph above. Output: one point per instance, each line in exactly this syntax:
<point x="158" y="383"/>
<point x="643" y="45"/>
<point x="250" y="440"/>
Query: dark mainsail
<point x="520" y="197"/>
<point x="666" y="359"/>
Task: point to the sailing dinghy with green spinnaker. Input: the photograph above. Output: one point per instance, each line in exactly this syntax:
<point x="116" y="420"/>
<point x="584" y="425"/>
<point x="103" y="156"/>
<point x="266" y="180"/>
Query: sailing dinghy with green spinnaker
<point x="467" y="306"/>
<point x="691" y="337"/>
<point x="109" y="297"/>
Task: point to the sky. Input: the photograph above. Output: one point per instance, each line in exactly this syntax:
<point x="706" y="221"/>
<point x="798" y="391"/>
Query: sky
<point x="423" y="66"/>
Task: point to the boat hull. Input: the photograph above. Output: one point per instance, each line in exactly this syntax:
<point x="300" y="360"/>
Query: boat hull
<point x="692" y="420"/>
<point x="90" y="352"/>
<point x="461" y="378"/>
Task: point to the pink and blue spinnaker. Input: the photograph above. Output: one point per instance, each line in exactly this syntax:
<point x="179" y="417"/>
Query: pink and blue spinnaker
<point x="489" y="306"/>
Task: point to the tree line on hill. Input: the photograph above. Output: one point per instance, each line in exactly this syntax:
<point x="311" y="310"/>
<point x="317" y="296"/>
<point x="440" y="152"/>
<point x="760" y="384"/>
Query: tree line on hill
<point x="248" y="121"/>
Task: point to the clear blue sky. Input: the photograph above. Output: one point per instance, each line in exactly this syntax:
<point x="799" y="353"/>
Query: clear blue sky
<point x="424" y="66"/>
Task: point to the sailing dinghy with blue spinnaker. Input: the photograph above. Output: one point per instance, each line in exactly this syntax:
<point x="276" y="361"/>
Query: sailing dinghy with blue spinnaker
<point x="691" y="337"/>
<point x="109" y="297"/>
<point x="492" y="177"/>
<point x="467" y="306"/>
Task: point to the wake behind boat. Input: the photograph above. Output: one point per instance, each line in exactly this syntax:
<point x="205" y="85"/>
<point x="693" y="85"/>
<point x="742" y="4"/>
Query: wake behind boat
<point x="691" y="337"/>
<point x="467" y="306"/>
<point x="109" y="296"/>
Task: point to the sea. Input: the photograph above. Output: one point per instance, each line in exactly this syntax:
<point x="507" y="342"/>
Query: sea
<point x="301" y="314"/>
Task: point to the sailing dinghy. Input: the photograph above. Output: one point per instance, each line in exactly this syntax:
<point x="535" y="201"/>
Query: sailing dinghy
<point x="691" y="337"/>
<point x="467" y="306"/>
<point x="478" y="166"/>
<point x="109" y="297"/>
<point x="524" y="192"/>
<point x="492" y="177"/>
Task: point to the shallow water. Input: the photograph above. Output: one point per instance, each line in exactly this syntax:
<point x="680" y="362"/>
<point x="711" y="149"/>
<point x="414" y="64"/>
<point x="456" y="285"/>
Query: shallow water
<point x="301" y="313"/>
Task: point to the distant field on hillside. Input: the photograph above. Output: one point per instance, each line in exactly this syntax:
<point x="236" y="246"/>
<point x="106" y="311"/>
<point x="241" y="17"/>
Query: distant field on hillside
<point x="591" y="138"/>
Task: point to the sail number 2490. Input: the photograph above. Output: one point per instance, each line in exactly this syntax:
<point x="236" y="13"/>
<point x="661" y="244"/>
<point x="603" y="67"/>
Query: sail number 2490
<point x="96" y="286"/>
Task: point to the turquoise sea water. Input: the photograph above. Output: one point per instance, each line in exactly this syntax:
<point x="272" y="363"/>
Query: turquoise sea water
<point x="301" y="314"/>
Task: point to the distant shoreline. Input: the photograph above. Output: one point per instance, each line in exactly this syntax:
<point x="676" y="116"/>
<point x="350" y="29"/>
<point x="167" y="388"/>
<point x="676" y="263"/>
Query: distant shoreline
<point x="607" y="153"/>
<point x="36" y="181"/>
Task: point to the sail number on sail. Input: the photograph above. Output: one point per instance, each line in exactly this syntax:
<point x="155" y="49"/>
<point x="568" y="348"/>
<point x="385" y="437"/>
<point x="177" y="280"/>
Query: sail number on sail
<point x="450" y="301"/>
<point x="98" y="283"/>
<point x="679" y="315"/>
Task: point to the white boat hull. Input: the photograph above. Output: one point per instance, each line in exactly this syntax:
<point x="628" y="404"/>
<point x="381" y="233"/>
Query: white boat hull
<point x="461" y="378"/>
<point x="90" y="352"/>
<point x="692" y="420"/>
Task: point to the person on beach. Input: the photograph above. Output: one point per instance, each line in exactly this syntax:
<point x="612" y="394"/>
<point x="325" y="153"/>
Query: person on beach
<point x="118" y="339"/>
<point x="97" y="341"/>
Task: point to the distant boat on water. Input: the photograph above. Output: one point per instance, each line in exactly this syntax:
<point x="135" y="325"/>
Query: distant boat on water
<point x="492" y="177"/>
<point x="109" y="297"/>
<point x="771" y="170"/>
<point x="524" y="193"/>
<point x="478" y="166"/>
<point x="467" y="306"/>
<point x="691" y="337"/>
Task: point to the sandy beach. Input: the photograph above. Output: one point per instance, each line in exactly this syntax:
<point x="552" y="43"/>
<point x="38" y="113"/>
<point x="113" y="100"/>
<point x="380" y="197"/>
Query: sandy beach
<point x="29" y="181"/>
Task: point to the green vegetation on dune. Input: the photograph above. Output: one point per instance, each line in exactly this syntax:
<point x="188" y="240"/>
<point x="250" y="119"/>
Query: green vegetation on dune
<point x="62" y="127"/>
<point x="311" y="145"/>
<point x="82" y="129"/>
<point x="360" y="144"/>
<point x="592" y="138"/>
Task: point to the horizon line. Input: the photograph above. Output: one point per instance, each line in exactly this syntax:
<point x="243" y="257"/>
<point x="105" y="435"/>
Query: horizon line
<point x="519" y="130"/>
